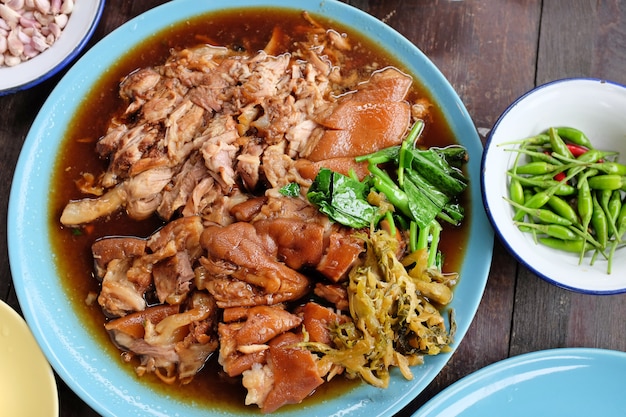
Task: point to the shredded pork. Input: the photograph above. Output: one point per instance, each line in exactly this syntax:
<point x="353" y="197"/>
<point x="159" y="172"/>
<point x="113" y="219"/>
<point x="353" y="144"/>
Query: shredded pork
<point x="205" y="142"/>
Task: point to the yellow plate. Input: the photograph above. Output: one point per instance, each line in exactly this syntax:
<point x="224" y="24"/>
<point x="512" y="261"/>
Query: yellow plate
<point x="27" y="385"/>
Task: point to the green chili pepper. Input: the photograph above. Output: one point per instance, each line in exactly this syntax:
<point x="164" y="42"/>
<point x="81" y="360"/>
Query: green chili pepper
<point x="610" y="168"/>
<point x="554" y="230"/>
<point x="620" y="222"/>
<point x="585" y="206"/>
<point x="599" y="222"/>
<point x="583" y="161"/>
<point x="613" y="209"/>
<point x="516" y="193"/>
<point x="604" y="197"/>
<point x="545" y="216"/>
<point x="539" y="199"/>
<point x="585" y="203"/>
<point x="574" y="135"/>
<point x="607" y="182"/>
<point x="557" y="144"/>
<point x="563" y="162"/>
<point x="621" y="229"/>
<point x="592" y="155"/>
<point x="574" y="246"/>
<point x="528" y="192"/>
<point x="563" y="209"/>
<point x="536" y="201"/>
<point x="560" y="187"/>
<point x="543" y="196"/>
<point x="535" y="168"/>
<point x="589" y="157"/>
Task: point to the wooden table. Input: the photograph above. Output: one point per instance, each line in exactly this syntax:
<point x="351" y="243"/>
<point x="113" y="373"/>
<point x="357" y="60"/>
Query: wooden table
<point x="492" y="51"/>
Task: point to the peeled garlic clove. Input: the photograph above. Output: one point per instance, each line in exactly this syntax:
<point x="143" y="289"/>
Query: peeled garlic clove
<point x="23" y="36"/>
<point x="43" y="19"/>
<point x="14" y="45"/>
<point x="29" y="23"/>
<point x="10" y="60"/>
<point x="39" y="42"/>
<point x="10" y="16"/>
<point x="55" y="6"/>
<point x="15" y="4"/>
<point x="61" y="20"/>
<point x="67" y="7"/>
<point x="43" y="6"/>
<point x="29" y="51"/>
<point x="4" y="25"/>
<point x="3" y="45"/>
<point x="55" y="30"/>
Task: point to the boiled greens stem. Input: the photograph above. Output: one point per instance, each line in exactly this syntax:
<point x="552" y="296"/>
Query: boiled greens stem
<point x="422" y="185"/>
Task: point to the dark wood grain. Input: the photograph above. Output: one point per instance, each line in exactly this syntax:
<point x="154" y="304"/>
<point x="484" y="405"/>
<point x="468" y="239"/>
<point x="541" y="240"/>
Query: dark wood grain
<point x="491" y="51"/>
<point x="582" y="38"/>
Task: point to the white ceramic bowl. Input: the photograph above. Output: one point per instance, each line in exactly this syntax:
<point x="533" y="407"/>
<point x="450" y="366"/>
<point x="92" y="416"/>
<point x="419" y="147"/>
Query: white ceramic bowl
<point x="80" y="26"/>
<point x="596" y="107"/>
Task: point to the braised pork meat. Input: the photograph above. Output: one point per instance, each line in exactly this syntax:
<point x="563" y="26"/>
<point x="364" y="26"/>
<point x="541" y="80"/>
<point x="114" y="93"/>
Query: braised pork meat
<point x="205" y="142"/>
<point x="211" y="123"/>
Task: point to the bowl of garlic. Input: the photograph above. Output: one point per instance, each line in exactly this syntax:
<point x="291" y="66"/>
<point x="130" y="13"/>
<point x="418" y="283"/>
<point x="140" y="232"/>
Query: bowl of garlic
<point x="38" y="38"/>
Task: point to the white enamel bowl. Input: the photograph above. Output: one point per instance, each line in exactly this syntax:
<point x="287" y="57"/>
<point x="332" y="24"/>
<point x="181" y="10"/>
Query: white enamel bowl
<point x="80" y="26"/>
<point x="597" y="108"/>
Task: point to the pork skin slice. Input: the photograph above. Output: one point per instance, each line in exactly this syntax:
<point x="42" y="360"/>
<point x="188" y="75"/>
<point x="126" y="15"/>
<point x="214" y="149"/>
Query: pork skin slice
<point x="374" y="117"/>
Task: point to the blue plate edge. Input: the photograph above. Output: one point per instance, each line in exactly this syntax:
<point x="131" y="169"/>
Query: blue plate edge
<point x="433" y="407"/>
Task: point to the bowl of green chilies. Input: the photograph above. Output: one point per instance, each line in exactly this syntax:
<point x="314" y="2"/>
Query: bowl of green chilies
<point x="554" y="183"/>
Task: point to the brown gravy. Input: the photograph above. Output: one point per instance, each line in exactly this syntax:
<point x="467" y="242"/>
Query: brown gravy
<point x="250" y="30"/>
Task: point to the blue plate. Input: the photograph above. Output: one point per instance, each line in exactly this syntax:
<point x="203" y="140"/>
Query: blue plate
<point x="101" y="379"/>
<point x="563" y="382"/>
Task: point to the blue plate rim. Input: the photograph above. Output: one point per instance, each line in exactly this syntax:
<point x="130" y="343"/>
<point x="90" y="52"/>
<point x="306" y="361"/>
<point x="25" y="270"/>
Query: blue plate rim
<point x="473" y="382"/>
